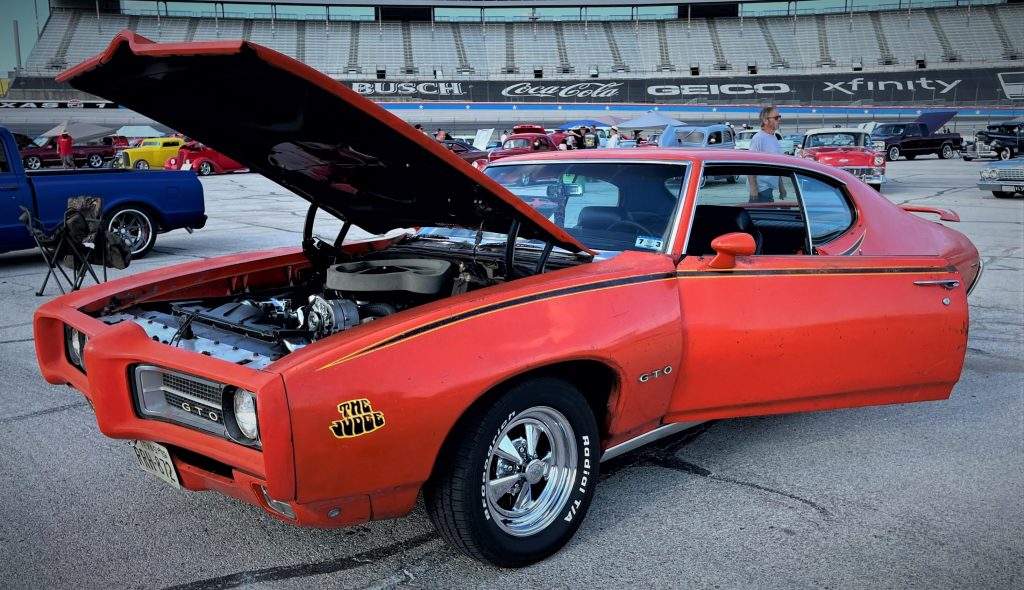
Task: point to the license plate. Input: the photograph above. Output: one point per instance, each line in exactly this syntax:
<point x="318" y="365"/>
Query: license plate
<point x="154" y="458"/>
<point x="1017" y="188"/>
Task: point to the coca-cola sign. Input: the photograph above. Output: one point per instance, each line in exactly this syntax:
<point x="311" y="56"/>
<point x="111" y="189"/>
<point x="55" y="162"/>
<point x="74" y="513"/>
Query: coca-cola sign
<point x="589" y="90"/>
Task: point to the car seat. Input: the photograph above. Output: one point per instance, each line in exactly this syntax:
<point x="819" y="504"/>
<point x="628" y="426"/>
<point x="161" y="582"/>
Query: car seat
<point x="712" y="221"/>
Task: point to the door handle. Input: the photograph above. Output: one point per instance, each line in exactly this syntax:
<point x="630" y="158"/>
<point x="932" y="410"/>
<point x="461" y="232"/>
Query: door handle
<point x="945" y="283"/>
<point x="8" y="187"/>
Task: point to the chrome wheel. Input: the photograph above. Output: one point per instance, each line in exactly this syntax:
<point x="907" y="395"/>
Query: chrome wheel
<point x="947" y="152"/>
<point x="530" y="472"/>
<point x="141" y="165"/>
<point x="894" y="153"/>
<point x="205" y="169"/>
<point x="95" y="161"/>
<point x="1004" y="154"/>
<point x="33" y="163"/>
<point x="135" y="228"/>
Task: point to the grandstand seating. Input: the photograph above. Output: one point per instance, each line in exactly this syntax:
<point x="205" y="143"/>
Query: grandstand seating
<point x="354" y="49"/>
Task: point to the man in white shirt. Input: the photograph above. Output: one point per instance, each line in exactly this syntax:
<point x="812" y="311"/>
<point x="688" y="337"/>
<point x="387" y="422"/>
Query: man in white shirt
<point x="762" y="188"/>
<point x="613" y="138"/>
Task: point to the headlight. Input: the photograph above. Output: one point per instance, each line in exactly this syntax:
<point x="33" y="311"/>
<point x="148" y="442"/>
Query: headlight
<point x="879" y="160"/>
<point x="877" y="171"/>
<point x="878" y="145"/>
<point x="74" y="347"/>
<point x="989" y="174"/>
<point x="244" y="417"/>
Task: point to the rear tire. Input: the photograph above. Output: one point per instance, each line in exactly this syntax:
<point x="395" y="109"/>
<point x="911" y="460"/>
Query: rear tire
<point x="536" y="450"/>
<point x="95" y="161"/>
<point x="967" y="159"/>
<point x="910" y="156"/>
<point x="893" y="153"/>
<point x="141" y="165"/>
<point x="33" y="162"/>
<point x="136" y="225"/>
<point x="947" y="151"/>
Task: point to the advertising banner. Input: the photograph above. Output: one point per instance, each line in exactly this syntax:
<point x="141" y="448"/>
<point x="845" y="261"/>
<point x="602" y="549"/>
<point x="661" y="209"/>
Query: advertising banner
<point x="968" y="86"/>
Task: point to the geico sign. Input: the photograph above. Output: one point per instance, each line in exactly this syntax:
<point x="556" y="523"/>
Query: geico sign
<point x="437" y="88"/>
<point x="711" y="89"/>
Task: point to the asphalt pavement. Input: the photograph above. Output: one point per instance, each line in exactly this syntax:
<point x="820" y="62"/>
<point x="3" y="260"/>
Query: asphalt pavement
<point x="927" y="495"/>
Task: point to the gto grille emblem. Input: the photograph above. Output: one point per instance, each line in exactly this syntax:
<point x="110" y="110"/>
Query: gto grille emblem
<point x="201" y="412"/>
<point x="655" y="374"/>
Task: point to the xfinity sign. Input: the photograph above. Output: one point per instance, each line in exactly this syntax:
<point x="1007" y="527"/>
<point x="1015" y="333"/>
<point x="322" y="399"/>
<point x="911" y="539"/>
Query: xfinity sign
<point x="851" y="87"/>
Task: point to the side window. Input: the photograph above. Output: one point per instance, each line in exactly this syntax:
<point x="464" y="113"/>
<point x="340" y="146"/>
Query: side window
<point x="913" y="131"/>
<point x="828" y="212"/>
<point x="728" y="136"/>
<point x="4" y="164"/>
<point x="757" y="200"/>
<point x="170" y="144"/>
<point x="716" y="138"/>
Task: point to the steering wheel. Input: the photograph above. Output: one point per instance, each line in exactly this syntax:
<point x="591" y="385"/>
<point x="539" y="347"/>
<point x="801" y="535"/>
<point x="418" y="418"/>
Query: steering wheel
<point x="632" y="224"/>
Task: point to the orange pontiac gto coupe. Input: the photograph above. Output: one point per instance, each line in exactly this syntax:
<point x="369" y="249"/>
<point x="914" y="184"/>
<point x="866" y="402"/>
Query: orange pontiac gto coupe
<point x="493" y="357"/>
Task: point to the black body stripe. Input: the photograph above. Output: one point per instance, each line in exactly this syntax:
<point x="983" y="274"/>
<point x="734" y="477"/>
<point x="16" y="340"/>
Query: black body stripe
<point x="816" y="271"/>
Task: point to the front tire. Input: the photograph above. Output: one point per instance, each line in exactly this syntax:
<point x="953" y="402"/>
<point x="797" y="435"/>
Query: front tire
<point x="1002" y="194"/>
<point x="33" y="162"/>
<point x="95" y="161"/>
<point x="205" y="168"/>
<point x="877" y="187"/>
<point x="1005" y="153"/>
<point x="517" y="477"/>
<point x="136" y="226"/>
<point x="967" y="159"/>
<point x="893" y="153"/>
<point x="947" y="151"/>
<point x="141" y="165"/>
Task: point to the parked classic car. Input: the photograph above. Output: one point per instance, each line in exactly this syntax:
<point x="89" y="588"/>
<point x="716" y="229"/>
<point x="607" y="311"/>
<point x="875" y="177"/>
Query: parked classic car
<point x="494" y="358"/>
<point x="917" y="138"/>
<point x="464" y="150"/>
<point x="203" y="159"/>
<point x="743" y="139"/>
<point x="1004" y="179"/>
<point x="524" y="143"/>
<point x="43" y="152"/>
<point x="136" y="206"/>
<point x="1003" y="141"/>
<point x="151" y="153"/>
<point x="694" y="136"/>
<point x="849" y="149"/>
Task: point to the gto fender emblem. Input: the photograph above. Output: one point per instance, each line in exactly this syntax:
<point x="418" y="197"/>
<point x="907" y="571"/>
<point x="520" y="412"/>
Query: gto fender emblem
<point x="655" y="374"/>
<point x="357" y="419"/>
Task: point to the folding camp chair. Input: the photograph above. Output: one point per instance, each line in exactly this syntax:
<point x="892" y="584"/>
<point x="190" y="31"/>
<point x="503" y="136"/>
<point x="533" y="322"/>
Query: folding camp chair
<point x="73" y="243"/>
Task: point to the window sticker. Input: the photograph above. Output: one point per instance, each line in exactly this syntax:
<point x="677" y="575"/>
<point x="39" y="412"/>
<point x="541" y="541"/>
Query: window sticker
<point x="649" y="242"/>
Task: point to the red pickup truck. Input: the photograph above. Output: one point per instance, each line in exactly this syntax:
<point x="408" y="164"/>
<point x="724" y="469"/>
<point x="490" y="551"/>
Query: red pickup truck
<point x="43" y="152"/>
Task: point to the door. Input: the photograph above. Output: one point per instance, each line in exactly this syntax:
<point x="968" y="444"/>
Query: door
<point x="14" y="193"/>
<point x="914" y="141"/>
<point x="789" y="330"/>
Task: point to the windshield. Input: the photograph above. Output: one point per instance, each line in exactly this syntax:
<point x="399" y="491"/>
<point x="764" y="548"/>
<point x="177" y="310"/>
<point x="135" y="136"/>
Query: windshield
<point x="607" y="206"/>
<point x="837" y="140"/>
<point x="889" y="130"/>
<point x="746" y="134"/>
<point x="150" y="143"/>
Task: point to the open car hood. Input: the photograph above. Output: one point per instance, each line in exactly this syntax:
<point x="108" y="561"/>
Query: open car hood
<point x="307" y="132"/>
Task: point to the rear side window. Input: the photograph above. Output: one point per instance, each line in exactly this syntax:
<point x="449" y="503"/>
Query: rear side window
<point x="828" y="213"/>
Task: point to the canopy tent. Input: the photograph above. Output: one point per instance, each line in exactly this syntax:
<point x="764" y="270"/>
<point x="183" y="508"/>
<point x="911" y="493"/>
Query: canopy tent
<point x="583" y="123"/>
<point x="649" y="120"/>
<point x="79" y="131"/>
<point x="135" y="131"/>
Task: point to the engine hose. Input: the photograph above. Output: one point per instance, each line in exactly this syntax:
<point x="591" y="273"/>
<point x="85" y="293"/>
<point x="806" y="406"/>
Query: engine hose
<point x="379" y="309"/>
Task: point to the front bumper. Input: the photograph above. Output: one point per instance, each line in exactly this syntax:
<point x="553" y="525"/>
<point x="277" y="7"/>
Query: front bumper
<point x="1004" y="186"/>
<point x="204" y="461"/>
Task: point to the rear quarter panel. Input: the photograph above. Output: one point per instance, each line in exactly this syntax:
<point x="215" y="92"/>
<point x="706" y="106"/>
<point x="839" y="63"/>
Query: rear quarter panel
<point x="175" y="197"/>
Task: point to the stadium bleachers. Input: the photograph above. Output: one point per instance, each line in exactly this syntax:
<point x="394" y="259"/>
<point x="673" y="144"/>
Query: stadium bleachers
<point x="727" y="46"/>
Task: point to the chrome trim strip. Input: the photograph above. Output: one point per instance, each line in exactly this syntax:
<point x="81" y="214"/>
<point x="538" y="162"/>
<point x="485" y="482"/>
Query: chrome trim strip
<point x="977" y="277"/>
<point x="648" y="437"/>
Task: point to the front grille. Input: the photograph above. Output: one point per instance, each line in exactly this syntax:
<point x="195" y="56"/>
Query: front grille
<point x="856" y="171"/>
<point x="198" y="390"/>
<point x="164" y="394"/>
<point x="1011" y="173"/>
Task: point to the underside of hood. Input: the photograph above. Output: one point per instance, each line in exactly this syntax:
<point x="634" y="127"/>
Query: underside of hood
<point x="307" y="132"/>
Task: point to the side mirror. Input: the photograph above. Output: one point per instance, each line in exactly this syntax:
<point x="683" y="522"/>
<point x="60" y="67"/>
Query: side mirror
<point x="727" y="247"/>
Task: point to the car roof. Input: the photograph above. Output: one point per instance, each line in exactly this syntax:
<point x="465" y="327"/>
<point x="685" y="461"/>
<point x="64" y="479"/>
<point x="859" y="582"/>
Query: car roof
<point x="836" y="130"/>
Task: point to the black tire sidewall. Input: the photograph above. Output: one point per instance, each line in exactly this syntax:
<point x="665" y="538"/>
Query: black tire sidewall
<point x="500" y="547"/>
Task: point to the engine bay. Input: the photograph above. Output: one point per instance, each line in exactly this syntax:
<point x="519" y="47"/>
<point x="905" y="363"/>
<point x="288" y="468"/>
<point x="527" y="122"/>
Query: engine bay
<point x="256" y="328"/>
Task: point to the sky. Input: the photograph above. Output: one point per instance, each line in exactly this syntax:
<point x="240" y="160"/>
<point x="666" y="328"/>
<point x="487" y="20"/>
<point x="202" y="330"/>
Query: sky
<point x="23" y="12"/>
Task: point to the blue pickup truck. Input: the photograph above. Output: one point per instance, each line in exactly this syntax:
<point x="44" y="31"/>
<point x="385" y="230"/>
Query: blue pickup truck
<point x="137" y="205"/>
